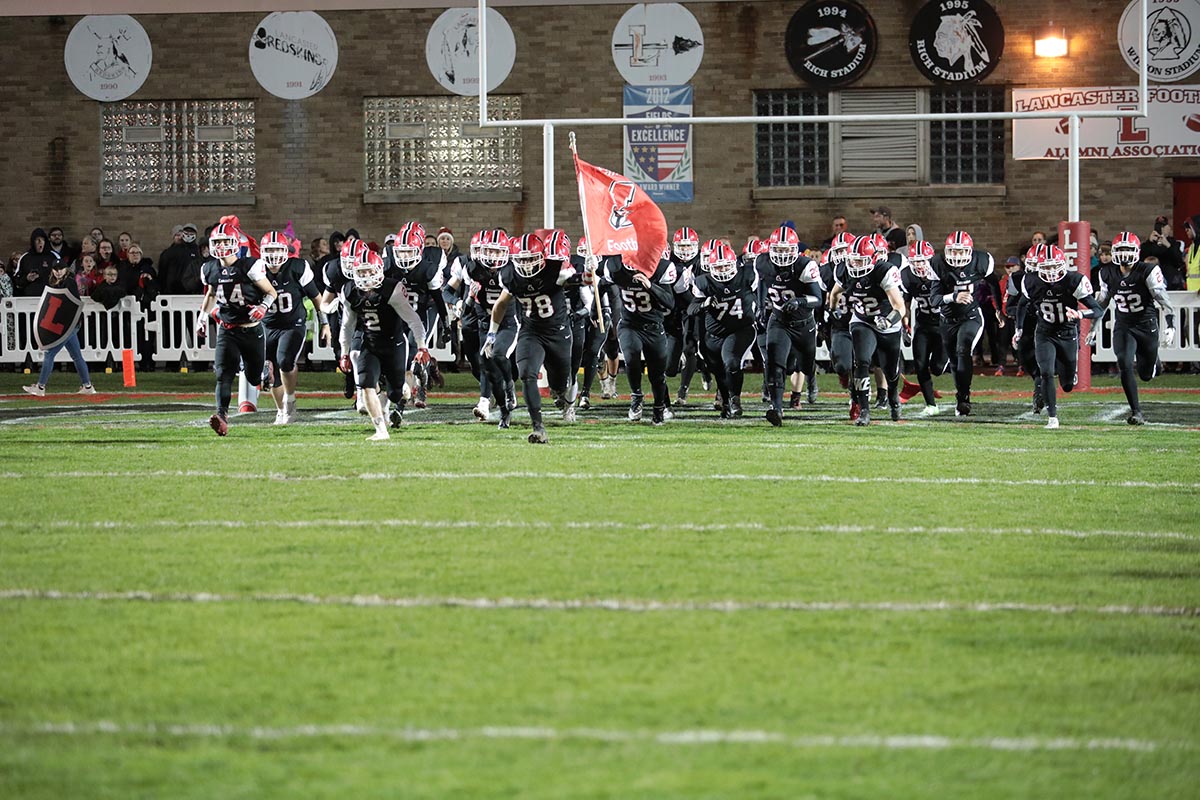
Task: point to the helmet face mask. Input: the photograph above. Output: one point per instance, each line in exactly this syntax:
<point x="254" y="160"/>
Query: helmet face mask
<point x="959" y="249"/>
<point x="405" y="256"/>
<point x="493" y="250"/>
<point x="1126" y="249"/>
<point x="861" y="259"/>
<point x="919" y="254"/>
<point x="275" y="255"/>
<point x="223" y="242"/>
<point x="1052" y="264"/>
<point x="528" y="254"/>
<point x="685" y="244"/>
<point x="477" y="245"/>
<point x="722" y="264"/>
<point x="368" y="274"/>
<point x="783" y="248"/>
<point x="352" y="254"/>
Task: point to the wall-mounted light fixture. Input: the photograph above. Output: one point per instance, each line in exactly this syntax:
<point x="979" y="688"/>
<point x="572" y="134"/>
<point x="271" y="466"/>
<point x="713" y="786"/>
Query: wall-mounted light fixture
<point x="1050" y="42"/>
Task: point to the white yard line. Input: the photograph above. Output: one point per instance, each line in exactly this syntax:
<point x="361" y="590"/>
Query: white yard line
<point x="598" y="604"/>
<point x="615" y="525"/>
<point x="601" y="476"/>
<point x="681" y="738"/>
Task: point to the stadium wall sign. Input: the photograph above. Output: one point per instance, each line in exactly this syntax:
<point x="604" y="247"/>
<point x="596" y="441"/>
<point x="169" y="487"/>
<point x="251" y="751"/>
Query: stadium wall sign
<point x="831" y="43"/>
<point x="956" y="41"/>
<point x="659" y="156"/>
<point x="293" y="54"/>
<point x="657" y="44"/>
<point x="1172" y="38"/>
<point x="108" y="57"/>
<point x="452" y="50"/>
<point x="1171" y="130"/>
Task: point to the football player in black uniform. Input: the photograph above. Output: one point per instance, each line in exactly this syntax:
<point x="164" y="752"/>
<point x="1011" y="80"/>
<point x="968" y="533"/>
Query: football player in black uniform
<point x="685" y="255"/>
<point x="1023" y="338"/>
<point x="645" y="300"/>
<point x="458" y="291"/>
<point x="958" y="270"/>
<point x="1054" y="295"/>
<point x="377" y="306"/>
<point x="871" y="285"/>
<point x="727" y="294"/>
<point x="544" y="335"/>
<point x="237" y="296"/>
<point x="928" y="347"/>
<point x="334" y="275"/>
<point x="286" y="322"/>
<point x="790" y="287"/>
<point x="1134" y="286"/>
<point x="420" y="269"/>
<point x="586" y="336"/>
<point x="841" y="347"/>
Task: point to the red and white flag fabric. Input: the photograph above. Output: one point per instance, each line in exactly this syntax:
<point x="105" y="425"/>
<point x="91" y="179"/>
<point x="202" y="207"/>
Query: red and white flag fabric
<point x="621" y="218"/>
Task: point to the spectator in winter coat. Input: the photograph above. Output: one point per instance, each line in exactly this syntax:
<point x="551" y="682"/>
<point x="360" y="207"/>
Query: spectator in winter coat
<point x="58" y="246"/>
<point x="87" y="277"/>
<point x="34" y="268"/>
<point x="189" y="281"/>
<point x="106" y="254"/>
<point x="174" y="260"/>
<point x="1169" y="252"/>
<point x="145" y="276"/>
<point x="110" y="292"/>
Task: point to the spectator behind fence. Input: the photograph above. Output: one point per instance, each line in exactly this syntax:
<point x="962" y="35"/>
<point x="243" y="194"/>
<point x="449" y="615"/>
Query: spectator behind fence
<point x="1163" y="246"/>
<point x="881" y="217"/>
<point x="87" y="277"/>
<point x="124" y="238"/>
<point x="105" y="254"/>
<point x="6" y="284"/>
<point x="60" y="276"/>
<point x="109" y="292"/>
<point x="34" y="267"/>
<point x="145" y="276"/>
<point x="913" y="233"/>
<point x="58" y="246"/>
<point x="174" y="260"/>
<point x="96" y="234"/>
<point x="189" y="281"/>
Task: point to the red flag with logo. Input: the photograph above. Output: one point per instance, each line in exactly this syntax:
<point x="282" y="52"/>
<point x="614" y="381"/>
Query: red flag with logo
<point x="620" y="218"/>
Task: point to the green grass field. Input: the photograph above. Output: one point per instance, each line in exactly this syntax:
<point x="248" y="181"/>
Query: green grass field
<point x="937" y="608"/>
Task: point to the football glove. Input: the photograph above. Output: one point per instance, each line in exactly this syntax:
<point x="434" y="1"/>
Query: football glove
<point x="201" y="328"/>
<point x="1017" y="337"/>
<point x="423" y="358"/>
<point x="883" y="322"/>
<point x="258" y="312"/>
<point x="1167" y="337"/>
<point x="344" y="365"/>
<point x="906" y="336"/>
<point x="489" y="345"/>
<point x="1090" y="339"/>
<point x="793" y="305"/>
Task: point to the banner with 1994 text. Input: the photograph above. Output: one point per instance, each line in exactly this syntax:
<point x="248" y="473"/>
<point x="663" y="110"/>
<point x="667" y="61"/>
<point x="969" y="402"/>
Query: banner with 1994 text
<point x="658" y="156"/>
<point x="1171" y="130"/>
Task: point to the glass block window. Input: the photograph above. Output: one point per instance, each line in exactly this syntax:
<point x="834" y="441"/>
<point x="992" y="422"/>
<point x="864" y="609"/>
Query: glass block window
<point x="434" y="145"/>
<point x="966" y="152"/>
<point x="792" y="154"/>
<point x="177" y="147"/>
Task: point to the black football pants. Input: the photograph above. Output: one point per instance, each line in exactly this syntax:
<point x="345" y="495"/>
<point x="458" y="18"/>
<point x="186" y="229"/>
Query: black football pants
<point x="929" y="353"/>
<point x="1057" y="351"/>
<point x="790" y="348"/>
<point x="283" y="348"/>
<point x="498" y="368"/>
<point x="537" y="347"/>
<point x="247" y="346"/>
<point x="724" y="352"/>
<point x="1137" y="357"/>
<point x="390" y="362"/>
<point x="645" y="346"/>
<point x="871" y="343"/>
<point x="593" y="340"/>
<point x="960" y="338"/>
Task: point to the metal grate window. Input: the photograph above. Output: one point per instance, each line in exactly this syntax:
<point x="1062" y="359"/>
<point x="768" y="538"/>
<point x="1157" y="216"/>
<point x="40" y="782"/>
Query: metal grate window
<point x="971" y="151"/>
<point x="433" y="146"/>
<point x="190" y="148"/>
<point x="792" y="154"/>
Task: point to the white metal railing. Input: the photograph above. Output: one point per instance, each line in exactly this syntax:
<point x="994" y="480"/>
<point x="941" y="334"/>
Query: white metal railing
<point x="1187" y="332"/>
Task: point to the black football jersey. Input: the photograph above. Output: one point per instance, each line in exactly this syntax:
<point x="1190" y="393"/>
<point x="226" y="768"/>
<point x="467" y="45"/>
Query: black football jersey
<point x="1133" y="294"/>
<point x="839" y="315"/>
<point x="541" y="296"/>
<point x="293" y="282"/>
<point x="733" y="307"/>
<point x="952" y="280"/>
<point x="334" y="279"/>
<point x="383" y="314"/>
<point x="867" y="297"/>
<point x="235" y="287"/>
<point x="778" y="285"/>
<point x="423" y="282"/>
<point x="1050" y="301"/>
<point x="642" y="307"/>
<point x="918" y="289"/>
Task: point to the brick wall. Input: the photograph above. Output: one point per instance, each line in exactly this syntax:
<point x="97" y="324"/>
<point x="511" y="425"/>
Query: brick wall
<point x="310" y="152"/>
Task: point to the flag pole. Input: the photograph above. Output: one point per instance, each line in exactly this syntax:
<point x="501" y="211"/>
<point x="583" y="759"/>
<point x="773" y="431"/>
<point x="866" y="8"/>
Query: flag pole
<point x="589" y="260"/>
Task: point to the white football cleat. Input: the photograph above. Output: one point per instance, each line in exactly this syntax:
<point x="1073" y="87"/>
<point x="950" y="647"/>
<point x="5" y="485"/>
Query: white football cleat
<point x="381" y="435"/>
<point x="1052" y="423"/>
<point x="281" y="417"/>
<point x="568" y="413"/>
<point x="931" y="411"/>
<point x="482" y="408"/>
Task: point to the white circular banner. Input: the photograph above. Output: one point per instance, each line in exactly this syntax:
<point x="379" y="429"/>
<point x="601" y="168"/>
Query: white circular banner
<point x="452" y="50"/>
<point x="1172" y="38"/>
<point x="657" y="45"/>
<point x="108" y="57"/>
<point x="293" y="54"/>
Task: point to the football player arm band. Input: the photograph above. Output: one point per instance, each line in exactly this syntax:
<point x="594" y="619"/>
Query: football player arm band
<point x="399" y="301"/>
<point x="499" y="308"/>
<point x="450" y="292"/>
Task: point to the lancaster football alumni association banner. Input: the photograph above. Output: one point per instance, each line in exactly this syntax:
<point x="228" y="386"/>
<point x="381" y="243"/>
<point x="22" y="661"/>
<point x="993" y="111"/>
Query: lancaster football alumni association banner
<point x="1171" y="130"/>
<point x="659" y="156"/>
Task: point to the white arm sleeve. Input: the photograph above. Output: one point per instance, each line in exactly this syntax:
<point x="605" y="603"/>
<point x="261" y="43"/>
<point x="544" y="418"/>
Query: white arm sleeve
<point x="399" y="301"/>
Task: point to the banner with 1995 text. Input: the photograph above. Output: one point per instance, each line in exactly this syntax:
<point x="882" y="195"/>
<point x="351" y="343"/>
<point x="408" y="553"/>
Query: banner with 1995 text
<point x="658" y="156"/>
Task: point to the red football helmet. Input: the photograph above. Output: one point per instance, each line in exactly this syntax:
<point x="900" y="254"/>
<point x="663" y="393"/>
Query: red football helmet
<point x="558" y="245"/>
<point x="753" y="248"/>
<point x="528" y="254"/>
<point x="476" y="245"/>
<point x="1126" y="248"/>
<point x="840" y="246"/>
<point x="224" y="241"/>
<point x="862" y="257"/>
<point x="368" y="273"/>
<point x="274" y="249"/>
<point x="581" y="247"/>
<point x="722" y="263"/>
<point x="1052" y="263"/>
<point x="919" y="253"/>
<point x="1032" y="257"/>
<point x="959" y="249"/>
<point x="706" y="251"/>
<point x="493" y="249"/>
<point x="685" y="244"/>
<point x="783" y="246"/>
<point x="353" y="252"/>
<point x="409" y="246"/>
<point x="881" y="243"/>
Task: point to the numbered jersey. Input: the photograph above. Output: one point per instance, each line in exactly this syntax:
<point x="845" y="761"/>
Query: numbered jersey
<point x="485" y="290"/>
<point x="332" y="273"/>
<point x="779" y="285"/>
<point x="1133" y="294"/>
<point x="733" y="302"/>
<point x="543" y="303"/>
<point x="867" y="297"/>
<point x="642" y="307"/>
<point x="952" y="280"/>
<point x="839" y="315"/>
<point x="235" y="287"/>
<point x="378" y="319"/>
<point x="1050" y="301"/>
<point x="917" y="289"/>
<point x="292" y="283"/>
<point x="423" y="282"/>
